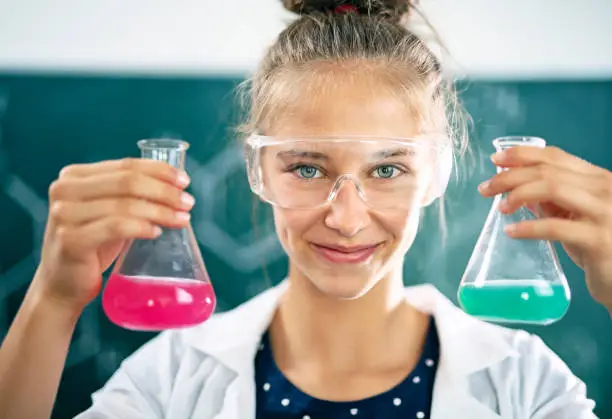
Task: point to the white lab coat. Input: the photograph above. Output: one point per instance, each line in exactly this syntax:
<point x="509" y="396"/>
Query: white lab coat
<point x="484" y="372"/>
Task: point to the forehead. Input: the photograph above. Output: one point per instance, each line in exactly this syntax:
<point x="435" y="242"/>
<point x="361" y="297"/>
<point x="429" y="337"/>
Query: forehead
<point x="344" y="104"/>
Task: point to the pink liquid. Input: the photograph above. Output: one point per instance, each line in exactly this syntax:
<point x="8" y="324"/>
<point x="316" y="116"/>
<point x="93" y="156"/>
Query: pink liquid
<point x="144" y="303"/>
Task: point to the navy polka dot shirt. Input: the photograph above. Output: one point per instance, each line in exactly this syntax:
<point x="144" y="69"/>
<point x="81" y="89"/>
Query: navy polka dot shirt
<point x="277" y="398"/>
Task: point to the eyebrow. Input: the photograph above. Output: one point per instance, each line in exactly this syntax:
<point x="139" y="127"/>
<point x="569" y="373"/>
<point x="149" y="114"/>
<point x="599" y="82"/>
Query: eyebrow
<point x="302" y="154"/>
<point x="396" y="152"/>
<point x="314" y="155"/>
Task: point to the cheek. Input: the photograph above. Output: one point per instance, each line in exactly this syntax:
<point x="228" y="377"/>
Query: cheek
<point x="402" y="225"/>
<point x="291" y="225"/>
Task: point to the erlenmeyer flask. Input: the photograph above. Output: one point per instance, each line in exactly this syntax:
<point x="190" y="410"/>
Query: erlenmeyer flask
<point x="511" y="280"/>
<point x="160" y="283"/>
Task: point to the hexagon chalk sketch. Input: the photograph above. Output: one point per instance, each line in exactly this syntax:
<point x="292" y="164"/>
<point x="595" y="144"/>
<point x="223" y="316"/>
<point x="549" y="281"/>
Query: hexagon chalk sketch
<point x="15" y="278"/>
<point x="211" y="190"/>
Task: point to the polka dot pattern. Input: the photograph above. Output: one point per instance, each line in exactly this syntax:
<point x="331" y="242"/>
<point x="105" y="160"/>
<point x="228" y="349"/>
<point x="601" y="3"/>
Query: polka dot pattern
<point x="410" y="399"/>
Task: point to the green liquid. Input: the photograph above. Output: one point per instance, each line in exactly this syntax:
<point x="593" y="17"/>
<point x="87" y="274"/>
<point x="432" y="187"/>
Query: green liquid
<point x="515" y="301"/>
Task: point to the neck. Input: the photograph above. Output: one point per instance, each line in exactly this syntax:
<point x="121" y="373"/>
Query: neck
<point x="375" y="330"/>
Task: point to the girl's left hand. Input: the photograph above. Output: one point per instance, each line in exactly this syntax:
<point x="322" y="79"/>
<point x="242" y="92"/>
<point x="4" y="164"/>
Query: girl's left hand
<point x="575" y="198"/>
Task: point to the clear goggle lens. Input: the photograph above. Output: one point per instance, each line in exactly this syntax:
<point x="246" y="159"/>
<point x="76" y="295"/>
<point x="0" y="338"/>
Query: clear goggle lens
<point x="305" y="173"/>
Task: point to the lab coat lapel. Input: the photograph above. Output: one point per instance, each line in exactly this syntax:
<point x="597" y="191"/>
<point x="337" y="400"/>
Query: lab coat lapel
<point x="452" y="398"/>
<point x="239" y="400"/>
<point x="467" y="346"/>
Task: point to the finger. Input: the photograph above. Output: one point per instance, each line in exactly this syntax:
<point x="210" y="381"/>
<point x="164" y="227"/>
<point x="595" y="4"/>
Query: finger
<point x="516" y="176"/>
<point x="528" y="156"/>
<point x="154" y="168"/>
<point x="77" y="213"/>
<point x="578" y="233"/>
<point x="120" y="184"/>
<point x="93" y="235"/>
<point x="568" y="197"/>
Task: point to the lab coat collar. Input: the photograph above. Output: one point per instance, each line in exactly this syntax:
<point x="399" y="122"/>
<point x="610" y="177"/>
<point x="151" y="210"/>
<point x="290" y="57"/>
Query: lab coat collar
<point x="467" y="344"/>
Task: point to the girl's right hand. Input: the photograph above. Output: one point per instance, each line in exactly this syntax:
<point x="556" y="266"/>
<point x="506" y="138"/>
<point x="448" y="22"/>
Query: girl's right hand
<point x="93" y="210"/>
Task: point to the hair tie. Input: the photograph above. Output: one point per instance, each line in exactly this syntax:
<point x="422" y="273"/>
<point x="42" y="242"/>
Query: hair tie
<point x="346" y="8"/>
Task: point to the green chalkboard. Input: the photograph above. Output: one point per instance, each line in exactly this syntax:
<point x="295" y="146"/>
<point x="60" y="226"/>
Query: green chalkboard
<point x="48" y="121"/>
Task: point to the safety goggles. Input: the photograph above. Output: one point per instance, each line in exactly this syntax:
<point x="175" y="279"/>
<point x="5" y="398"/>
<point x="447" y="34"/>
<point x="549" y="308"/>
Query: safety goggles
<point x="311" y="172"/>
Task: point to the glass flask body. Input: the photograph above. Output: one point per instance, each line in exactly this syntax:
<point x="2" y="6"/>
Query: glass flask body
<point x="509" y="280"/>
<point x="160" y="283"/>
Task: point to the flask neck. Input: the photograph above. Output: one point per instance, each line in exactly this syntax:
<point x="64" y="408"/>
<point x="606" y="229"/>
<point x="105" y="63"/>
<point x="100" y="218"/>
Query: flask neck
<point x="504" y="143"/>
<point x="167" y="150"/>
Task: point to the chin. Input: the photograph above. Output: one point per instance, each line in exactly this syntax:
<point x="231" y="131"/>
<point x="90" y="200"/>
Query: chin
<point x="342" y="286"/>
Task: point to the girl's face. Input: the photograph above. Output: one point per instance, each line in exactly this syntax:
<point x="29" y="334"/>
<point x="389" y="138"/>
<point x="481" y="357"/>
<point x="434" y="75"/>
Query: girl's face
<point x="346" y="247"/>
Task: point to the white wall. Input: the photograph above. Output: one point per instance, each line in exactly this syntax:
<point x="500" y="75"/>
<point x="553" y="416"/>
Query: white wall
<point x="488" y="38"/>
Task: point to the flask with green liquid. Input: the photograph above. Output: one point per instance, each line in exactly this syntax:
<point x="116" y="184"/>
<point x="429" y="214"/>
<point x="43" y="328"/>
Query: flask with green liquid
<point x="510" y="280"/>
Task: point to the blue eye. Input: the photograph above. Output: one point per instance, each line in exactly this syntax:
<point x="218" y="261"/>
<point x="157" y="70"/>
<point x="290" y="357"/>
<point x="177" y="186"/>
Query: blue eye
<point x="306" y="172"/>
<point x="386" y="172"/>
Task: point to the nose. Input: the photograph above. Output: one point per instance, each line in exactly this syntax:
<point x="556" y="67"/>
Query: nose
<point x="348" y="213"/>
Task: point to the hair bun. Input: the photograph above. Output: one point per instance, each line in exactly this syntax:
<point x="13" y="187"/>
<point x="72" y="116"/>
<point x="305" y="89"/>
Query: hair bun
<point x="394" y="9"/>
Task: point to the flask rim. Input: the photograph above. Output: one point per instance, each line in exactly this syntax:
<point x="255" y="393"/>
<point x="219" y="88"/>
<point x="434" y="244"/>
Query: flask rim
<point x="518" y="140"/>
<point x="163" y="143"/>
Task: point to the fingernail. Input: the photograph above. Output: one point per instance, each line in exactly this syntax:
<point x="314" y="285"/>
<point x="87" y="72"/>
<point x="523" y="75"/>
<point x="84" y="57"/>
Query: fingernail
<point x="510" y="229"/>
<point x="497" y="157"/>
<point x="182" y="216"/>
<point x="484" y="185"/>
<point x="157" y="231"/>
<point x="503" y="205"/>
<point x="183" y="179"/>
<point x="187" y="199"/>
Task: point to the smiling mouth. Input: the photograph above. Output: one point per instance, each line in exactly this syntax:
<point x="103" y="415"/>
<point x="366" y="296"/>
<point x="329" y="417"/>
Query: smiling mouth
<point x="345" y="255"/>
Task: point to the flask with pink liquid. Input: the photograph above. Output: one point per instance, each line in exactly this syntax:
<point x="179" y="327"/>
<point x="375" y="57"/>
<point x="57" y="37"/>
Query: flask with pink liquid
<point x="161" y="283"/>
